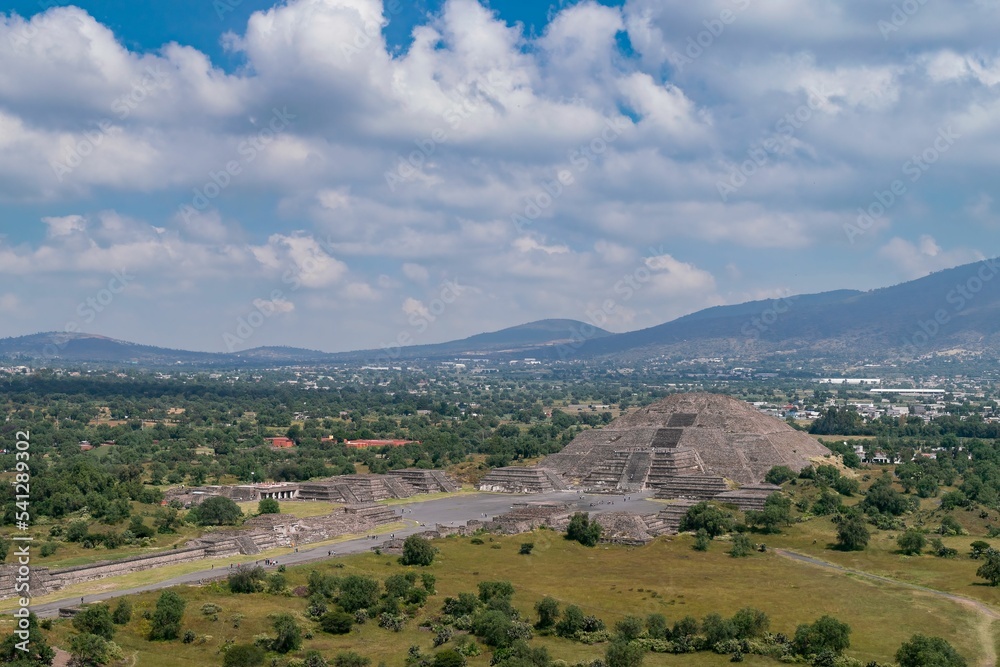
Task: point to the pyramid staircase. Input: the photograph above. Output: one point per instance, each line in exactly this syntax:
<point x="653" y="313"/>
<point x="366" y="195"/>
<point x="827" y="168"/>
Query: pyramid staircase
<point x="697" y="487"/>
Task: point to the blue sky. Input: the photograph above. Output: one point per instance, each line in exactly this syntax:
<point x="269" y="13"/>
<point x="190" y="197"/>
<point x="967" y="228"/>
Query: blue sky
<point x="335" y="168"/>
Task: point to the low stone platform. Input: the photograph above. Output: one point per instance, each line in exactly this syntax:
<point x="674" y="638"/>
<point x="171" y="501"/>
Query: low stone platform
<point x="426" y="481"/>
<point x="699" y="487"/>
<point x="749" y="497"/>
<point x="522" y="480"/>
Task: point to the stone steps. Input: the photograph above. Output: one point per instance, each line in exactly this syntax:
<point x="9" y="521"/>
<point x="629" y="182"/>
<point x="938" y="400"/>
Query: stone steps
<point x="668" y="520"/>
<point x="517" y="480"/>
<point x="699" y="487"/>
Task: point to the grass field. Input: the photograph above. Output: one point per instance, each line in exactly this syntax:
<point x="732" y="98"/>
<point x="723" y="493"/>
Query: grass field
<point x="666" y="576"/>
<point x="300" y="509"/>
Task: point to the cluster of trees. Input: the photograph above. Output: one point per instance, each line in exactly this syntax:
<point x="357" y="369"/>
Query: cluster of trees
<point x="581" y="529"/>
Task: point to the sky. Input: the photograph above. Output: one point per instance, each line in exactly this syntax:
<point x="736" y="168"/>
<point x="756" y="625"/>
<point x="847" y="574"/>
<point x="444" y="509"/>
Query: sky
<point x="219" y="175"/>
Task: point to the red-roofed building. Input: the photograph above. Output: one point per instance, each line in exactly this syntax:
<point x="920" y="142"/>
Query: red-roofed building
<point x="363" y="444"/>
<point x="281" y="442"/>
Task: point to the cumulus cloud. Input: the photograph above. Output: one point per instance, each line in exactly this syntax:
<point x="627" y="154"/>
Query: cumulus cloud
<point x="399" y="165"/>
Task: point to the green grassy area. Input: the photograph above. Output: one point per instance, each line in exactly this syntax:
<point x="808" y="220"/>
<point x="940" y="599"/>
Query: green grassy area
<point x="160" y="574"/>
<point x="666" y="576"/>
<point x="301" y="509"/>
<point x="424" y="497"/>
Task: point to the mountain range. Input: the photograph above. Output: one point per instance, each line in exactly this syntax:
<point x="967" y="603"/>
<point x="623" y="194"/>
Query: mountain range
<point x="953" y="311"/>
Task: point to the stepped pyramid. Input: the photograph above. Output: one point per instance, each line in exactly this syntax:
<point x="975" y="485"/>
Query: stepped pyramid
<point x="695" y="445"/>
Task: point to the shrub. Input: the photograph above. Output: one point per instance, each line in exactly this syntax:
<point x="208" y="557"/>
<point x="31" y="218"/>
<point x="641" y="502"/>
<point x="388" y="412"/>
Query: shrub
<point x="923" y="651"/>
<point x="358" y="592"/>
<point x="701" y="540"/>
<point x="448" y="658"/>
<point x="624" y="654"/>
<point x="95" y="620"/>
<point x="714" y="520"/>
<point x="629" y="628"/>
<point x="826" y="634"/>
<point x="246" y="579"/>
<point x="122" y="613"/>
<point x="852" y="534"/>
<point x="526" y="548"/>
<point x="243" y="655"/>
<point x="742" y="546"/>
<point x="166" y="620"/>
<point x="571" y="622"/>
<point x="581" y="529"/>
<point x="417" y="551"/>
<point x="268" y="506"/>
<point x="656" y="626"/>
<point x="216" y="511"/>
<point x="912" y="542"/>
<point x="779" y="475"/>
<point x="350" y="659"/>
<point x="336" y="622"/>
<point x="548" y="613"/>
<point x="288" y="634"/>
<point x="950" y="526"/>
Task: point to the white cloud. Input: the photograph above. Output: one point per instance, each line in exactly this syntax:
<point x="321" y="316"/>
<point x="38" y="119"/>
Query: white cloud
<point x="416" y="273"/>
<point x="65" y="225"/>
<point x="914" y="260"/>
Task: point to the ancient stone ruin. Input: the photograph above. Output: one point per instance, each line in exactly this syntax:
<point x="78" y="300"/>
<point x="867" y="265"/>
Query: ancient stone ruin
<point x="695" y="446"/>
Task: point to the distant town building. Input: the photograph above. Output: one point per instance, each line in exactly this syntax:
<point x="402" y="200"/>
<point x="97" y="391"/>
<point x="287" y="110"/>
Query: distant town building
<point x="281" y="442"/>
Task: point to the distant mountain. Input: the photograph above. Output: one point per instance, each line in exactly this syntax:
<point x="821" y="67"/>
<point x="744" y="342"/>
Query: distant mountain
<point x="952" y="310"/>
<point x="956" y="310"/>
<point x="79" y="347"/>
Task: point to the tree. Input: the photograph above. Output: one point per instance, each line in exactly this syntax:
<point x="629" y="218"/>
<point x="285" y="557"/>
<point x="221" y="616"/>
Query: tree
<point x="779" y="475"/>
<point x="990" y="570"/>
<point x="742" y="546"/>
<point x="826" y="634"/>
<point x="717" y="629"/>
<point x="624" y="654"/>
<point x="852" y="534"/>
<point x="96" y="620"/>
<point x="39" y="653"/>
<point x="4" y="548"/>
<point x="448" y="658"/>
<point x="88" y="650"/>
<point x="350" y="659"/>
<point x="243" y="655"/>
<point x="122" y="613"/>
<point x="978" y="548"/>
<point x="358" y="592"/>
<point x="777" y="512"/>
<point x="713" y="519"/>
<point x="166" y="621"/>
<point x="911" y="542"/>
<point x="217" y="511"/>
<point x="571" y="622"/>
<point x="548" y="613"/>
<point x="247" y="579"/>
<point x="923" y="651"/>
<point x="629" y="628"/>
<point x="656" y="626"/>
<point x="336" y="622"/>
<point x="750" y="623"/>
<point x="417" y="551"/>
<point x="581" y="529"/>
<point x="288" y="634"/>
<point x="268" y="506"/>
<point x="701" y="540"/>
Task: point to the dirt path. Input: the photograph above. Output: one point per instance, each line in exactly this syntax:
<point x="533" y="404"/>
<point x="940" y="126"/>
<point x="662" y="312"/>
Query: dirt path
<point x="988" y="614"/>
